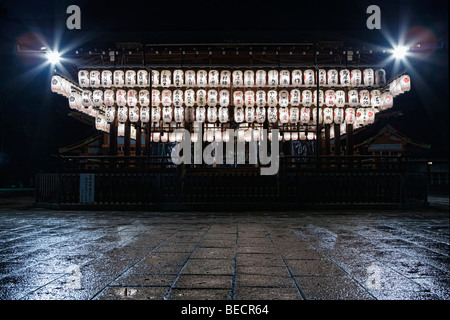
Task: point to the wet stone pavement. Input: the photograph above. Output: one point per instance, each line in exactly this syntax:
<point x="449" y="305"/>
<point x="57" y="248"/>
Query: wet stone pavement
<point x="353" y="255"/>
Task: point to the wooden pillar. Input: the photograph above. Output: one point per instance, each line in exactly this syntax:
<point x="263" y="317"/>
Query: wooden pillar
<point x="127" y="138"/>
<point x="337" y="139"/>
<point x="327" y="140"/>
<point x="138" y="139"/>
<point x="349" y="139"/>
<point x="113" y="138"/>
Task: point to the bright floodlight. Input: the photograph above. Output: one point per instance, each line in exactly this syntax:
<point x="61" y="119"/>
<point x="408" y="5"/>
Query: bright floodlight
<point x="53" y="57"/>
<point x="400" y="52"/>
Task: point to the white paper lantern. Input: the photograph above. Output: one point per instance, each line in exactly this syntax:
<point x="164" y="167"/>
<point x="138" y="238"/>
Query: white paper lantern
<point x="178" y="78"/>
<point x="238" y="98"/>
<point x="387" y="100"/>
<point x="190" y="78"/>
<point x="225" y="78"/>
<point x="360" y="116"/>
<point x="239" y="114"/>
<point x="332" y="77"/>
<point x="350" y="115"/>
<point x="249" y="97"/>
<point x="294" y="136"/>
<point x="261" y="98"/>
<point x="156" y="114"/>
<point x="177" y="98"/>
<point x="130" y="78"/>
<point x="200" y="114"/>
<point x="122" y="114"/>
<point x="156" y="97"/>
<point x="202" y="78"/>
<point x="261" y="77"/>
<point x="201" y="97"/>
<point x="250" y="114"/>
<point x="294" y="115"/>
<point x="224" y="98"/>
<point x="218" y="136"/>
<point x="133" y="113"/>
<point x="364" y="98"/>
<point x="107" y="79"/>
<point x="296" y="77"/>
<point x="272" y="114"/>
<point x="86" y="98"/>
<point x="272" y="78"/>
<point x="65" y="87"/>
<point x="156" y="136"/>
<point x="295" y="97"/>
<point x="249" y="78"/>
<point x="110" y="113"/>
<point x="166" y="78"/>
<point x="164" y="137"/>
<point x="405" y="83"/>
<point x="272" y="100"/>
<point x="338" y="115"/>
<point x="368" y="77"/>
<point x="132" y="98"/>
<point x="284" y="78"/>
<point x="283" y="115"/>
<point x="283" y="100"/>
<point x="189" y="97"/>
<point x="314" y="116"/>
<point x="340" y="98"/>
<point x="212" y="114"/>
<point x="396" y="87"/>
<point x="178" y="114"/>
<point x="166" y="98"/>
<point x="145" y="114"/>
<point x="302" y="136"/>
<point x="213" y="78"/>
<point x="344" y="77"/>
<point x="355" y="78"/>
<point x="375" y="98"/>
<point x="380" y="78"/>
<point x="238" y="78"/>
<point x="330" y="98"/>
<point x="83" y="78"/>
<point x="142" y="78"/>
<point x="307" y="98"/>
<point x="212" y="98"/>
<point x="56" y="84"/>
<point x="353" y="98"/>
<point x="155" y="78"/>
<point x="73" y="100"/>
<point x="308" y="77"/>
<point x="189" y="114"/>
<point x="260" y="114"/>
<point x="321" y="100"/>
<point x="97" y="98"/>
<point x="119" y="78"/>
<point x="328" y="115"/>
<point x="322" y="77"/>
<point x="223" y="114"/>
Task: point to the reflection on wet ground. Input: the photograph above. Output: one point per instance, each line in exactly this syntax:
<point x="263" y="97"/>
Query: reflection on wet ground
<point x="244" y="255"/>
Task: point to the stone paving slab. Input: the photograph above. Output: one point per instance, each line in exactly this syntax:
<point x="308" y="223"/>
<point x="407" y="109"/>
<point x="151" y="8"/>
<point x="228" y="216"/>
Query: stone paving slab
<point x="315" y="255"/>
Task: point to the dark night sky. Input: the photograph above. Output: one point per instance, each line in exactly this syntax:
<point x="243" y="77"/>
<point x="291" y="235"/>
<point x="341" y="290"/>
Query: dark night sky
<point x="34" y="121"/>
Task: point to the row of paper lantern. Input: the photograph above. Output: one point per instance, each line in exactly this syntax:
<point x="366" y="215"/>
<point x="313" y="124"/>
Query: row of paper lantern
<point x="249" y="98"/>
<point x="61" y="86"/>
<point x="237" y="78"/>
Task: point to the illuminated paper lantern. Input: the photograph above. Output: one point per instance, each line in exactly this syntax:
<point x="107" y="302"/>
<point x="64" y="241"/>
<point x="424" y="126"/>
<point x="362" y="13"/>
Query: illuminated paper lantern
<point x="189" y="114"/>
<point x="332" y="78"/>
<point x="202" y="78"/>
<point x="122" y="114"/>
<point x="200" y="114"/>
<point x="156" y="97"/>
<point x="65" y="87"/>
<point x="97" y="98"/>
<point x="321" y="100"/>
<point x="364" y="98"/>
<point x="296" y="77"/>
<point x="213" y="78"/>
<point x="350" y="115"/>
<point x="223" y="114"/>
<point x="164" y="137"/>
<point x="94" y="79"/>
<point x="380" y="78"/>
<point x="295" y="97"/>
<point x="370" y="116"/>
<point x="314" y="116"/>
<point x="360" y="116"/>
<point x="375" y="98"/>
<point x="142" y="78"/>
<point x="260" y="114"/>
<point x="283" y="115"/>
<point x="178" y="78"/>
<point x="225" y="78"/>
<point x="272" y="114"/>
<point x="344" y="77"/>
<point x="284" y="78"/>
<point x="261" y="98"/>
<point x="353" y="98"/>
<point x="86" y="98"/>
<point x="218" y="136"/>
<point x="322" y="77"/>
<point x="405" y="83"/>
<point x="110" y="113"/>
<point x="100" y="123"/>
<point x="108" y="97"/>
<point x="250" y="114"/>
<point x="330" y="98"/>
<point x="119" y="78"/>
<point x="107" y="79"/>
<point x="338" y="115"/>
<point x="166" y="78"/>
<point x="189" y="98"/>
<point x="190" y="78"/>
<point x="249" y="78"/>
<point x="212" y="114"/>
<point x="294" y="115"/>
<point x="132" y="98"/>
<point x="83" y="78"/>
<point x="178" y="114"/>
<point x="133" y="113"/>
<point x="256" y="134"/>
<point x="355" y="78"/>
<point x="328" y="115"/>
<point x="261" y="77"/>
<point x="283" y="100"/>
<point x="238" y="98"/>
<point x="272" y="100"/>
<point x="224" y="98"/>
<point x="294" y="136"/>
<point x="201" y="97"/>
<point x="166" y="98"/>
<point x="302" y="136"/>
<point x="73" y="100"/>
<point x="272" y="78"/>
<point x="368" y="77"/>
<point x="287" y="136"/>
<point x="156" y="114"/>
<point x="55" y="84"/>
<point x="308" y="78"/>
<point x="238" y="78"/>
<point x="156" y="137"/>
<point x="144" y="98"/>
<point x="239" y="114"/>
<point x="145" y="114"/>
<point x="340" y="98"/>
<point x="249" y="98"/>
<point x="130" y="78"/>
<point x="387" y="100"/>
<point x="307" y="98"/>
<point x="212" y="97"/>
<point x="155" y="78"/>
<point x="395" y="87"/>
<point x="178" y="98"/>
